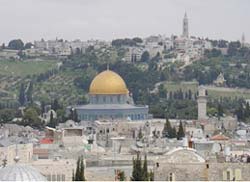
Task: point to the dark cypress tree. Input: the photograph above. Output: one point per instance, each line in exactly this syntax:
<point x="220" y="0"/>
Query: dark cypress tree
<point x="151" y="175"/>
<point x="134" y="171"/>
<point x="140" y="135"/>
<point x="30" y="92"/>
<point x="180" y="133"/>
<point x="247" y="111"/>
<point x="240" y="112"/>
<point x="189" y="94"/>
<point x="82" y="177"/>
<point x="43" y="107"/>
<point x="145" y="170"/>
<point x="73" y="175"/>
<point x="22" y="95"/>
<point x="75" y="116"/>
<point x="137" y="169"/>
<point x="220" y="111"/>
<point x="173" y="134"/>
<point x="168" y="131"/>
<point x="77" y="174"/>
<point x="55" y="105"/>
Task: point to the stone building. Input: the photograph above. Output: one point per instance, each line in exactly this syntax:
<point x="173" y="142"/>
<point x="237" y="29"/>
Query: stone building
<point x="220" y="80"/>
<point x="56" y="169"/>
<point x="20" y="172"/>
<point x="109" y="99"/>
<point x="8" y="152"/>
<point x="184" y="164"/>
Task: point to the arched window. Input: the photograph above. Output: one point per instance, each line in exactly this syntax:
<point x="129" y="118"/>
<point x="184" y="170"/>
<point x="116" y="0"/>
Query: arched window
<point x="97" y="99"/>
<point x="171" y="177"/>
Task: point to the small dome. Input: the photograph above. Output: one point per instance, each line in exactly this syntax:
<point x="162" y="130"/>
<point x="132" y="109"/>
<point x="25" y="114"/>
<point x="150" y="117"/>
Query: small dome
<point x="18" y="172"/>
<point x="108" y="82"/>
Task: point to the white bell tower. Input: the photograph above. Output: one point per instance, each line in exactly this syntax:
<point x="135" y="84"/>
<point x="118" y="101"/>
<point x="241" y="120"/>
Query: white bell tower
<point x="202" y="103"/>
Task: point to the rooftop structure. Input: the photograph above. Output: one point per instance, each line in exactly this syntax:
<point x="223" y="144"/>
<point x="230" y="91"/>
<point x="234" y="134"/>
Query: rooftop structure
<point x="109" y="99"/>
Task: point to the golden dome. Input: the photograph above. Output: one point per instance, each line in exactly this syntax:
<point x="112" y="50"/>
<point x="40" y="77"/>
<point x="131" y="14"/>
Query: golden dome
<point x="108" y="82"/>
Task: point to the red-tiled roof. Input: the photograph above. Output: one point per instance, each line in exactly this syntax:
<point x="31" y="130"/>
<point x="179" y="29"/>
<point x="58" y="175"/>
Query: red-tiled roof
<point x="46" y="141"/>
<point x="219" y="137"/>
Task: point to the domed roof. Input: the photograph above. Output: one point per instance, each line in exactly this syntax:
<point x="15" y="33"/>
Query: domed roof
<point x="108" y="82"/>
<point x="184" y="155"/>
<point x="18" y="172"/>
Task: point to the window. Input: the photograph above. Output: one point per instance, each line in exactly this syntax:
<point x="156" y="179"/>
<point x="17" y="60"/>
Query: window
<point x="238" y="174"/>
<point x="49" y="177"/>
<point x="228" y="175"/>
<point x="157" y="164"/>
<point x="63" y="177"/>
<point x="58" y="177"/>
<point x="53" y="177"/>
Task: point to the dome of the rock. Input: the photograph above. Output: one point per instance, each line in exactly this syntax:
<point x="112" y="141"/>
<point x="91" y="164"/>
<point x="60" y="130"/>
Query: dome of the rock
<point x="108" y="82"/>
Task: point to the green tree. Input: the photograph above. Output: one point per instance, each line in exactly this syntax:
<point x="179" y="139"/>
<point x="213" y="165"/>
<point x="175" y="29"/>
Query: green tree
<point x="151" y="175"/>
<point x="73" y="175"/>
<point x="79" y="174"/>
<point x="30" y="92"/>
<point x="137" y="39"/>
<point x="180" y="133"/>
<point x="22" y="95"/>
<point x="121" y="176"/>
<point x="145" y="56"/>
<point x="137" y="169"/>
<point x="55" y="105"/>
<point x="168" y="131"/>
<point x="220" y="111"/>
<point x="247" y="110"/>
<point x="28" y="45"/>
<point x="31" y="118"/>
<point x="53" y="122"/>
<point x="140" y="135"/>
<point x="16" y="44"/>
<point x="6" y="115"/>
<point x="145" y="169"/>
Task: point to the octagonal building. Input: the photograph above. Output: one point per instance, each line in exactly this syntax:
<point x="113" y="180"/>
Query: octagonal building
<point x="109" y="98"/>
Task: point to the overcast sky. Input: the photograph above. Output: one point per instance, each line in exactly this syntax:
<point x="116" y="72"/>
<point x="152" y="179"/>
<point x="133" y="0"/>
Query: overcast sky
<point x="108" y="19"/>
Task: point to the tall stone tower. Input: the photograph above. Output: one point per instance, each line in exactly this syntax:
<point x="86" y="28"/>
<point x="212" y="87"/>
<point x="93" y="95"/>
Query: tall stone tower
<point x="202" y="103"/>
<point x="243" y="40"/>
<point x="185" y="26"/>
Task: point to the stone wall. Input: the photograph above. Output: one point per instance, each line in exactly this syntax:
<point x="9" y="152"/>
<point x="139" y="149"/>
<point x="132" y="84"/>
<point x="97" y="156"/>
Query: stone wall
<point x="202" y="171"/>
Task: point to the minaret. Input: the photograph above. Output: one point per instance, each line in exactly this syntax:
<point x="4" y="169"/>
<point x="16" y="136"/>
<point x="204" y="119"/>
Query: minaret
<point x="202" y="103"/>
<point x="185" y="26"/>
<point x="243" y="40"/>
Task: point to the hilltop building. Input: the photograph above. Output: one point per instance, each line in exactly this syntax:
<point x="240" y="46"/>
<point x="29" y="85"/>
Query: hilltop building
<point x="220" y="80"/>
<point x="185" y="26"/>
<point x="109" y="99"/>
<point x="243" y="40"/>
